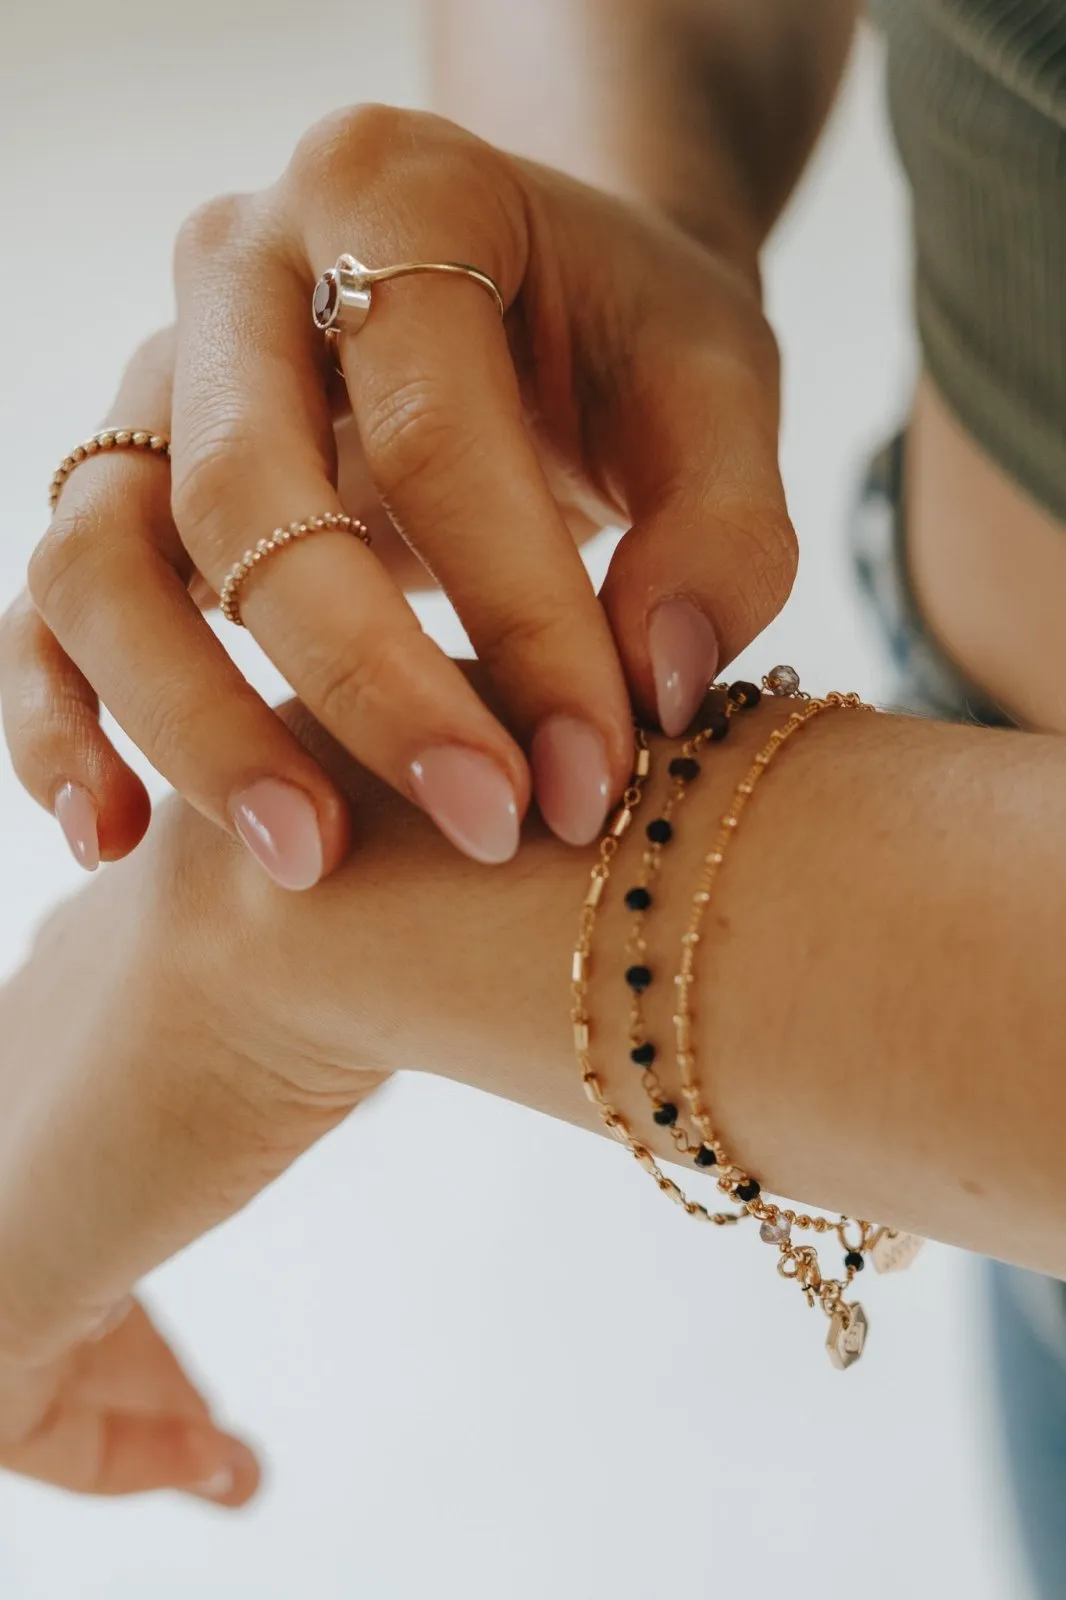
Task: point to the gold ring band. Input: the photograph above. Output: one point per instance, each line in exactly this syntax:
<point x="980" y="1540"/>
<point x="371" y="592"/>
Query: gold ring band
<point x="229" y="594"/>
<point x="342" y="295"/>
<point x="106" y="439"/>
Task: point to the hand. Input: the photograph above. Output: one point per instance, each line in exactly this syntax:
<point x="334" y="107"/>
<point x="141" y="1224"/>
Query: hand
<point x="118" y="1415"/>
<point x="634" y="381"/>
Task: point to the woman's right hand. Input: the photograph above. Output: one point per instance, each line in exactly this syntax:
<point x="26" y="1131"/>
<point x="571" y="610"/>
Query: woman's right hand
<point x="633" y="381"/>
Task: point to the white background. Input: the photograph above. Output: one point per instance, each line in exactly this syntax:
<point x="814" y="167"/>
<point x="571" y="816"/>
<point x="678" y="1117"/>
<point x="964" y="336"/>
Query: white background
<point x="482" y="1356"/>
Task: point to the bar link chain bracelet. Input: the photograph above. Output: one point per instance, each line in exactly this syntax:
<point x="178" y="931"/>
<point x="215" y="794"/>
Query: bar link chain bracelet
<point x="889" y="1249"/>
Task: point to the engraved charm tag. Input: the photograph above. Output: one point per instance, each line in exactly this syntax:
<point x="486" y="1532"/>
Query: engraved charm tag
<point x="894" y="1252"/>
<point x="847" y="1336"/>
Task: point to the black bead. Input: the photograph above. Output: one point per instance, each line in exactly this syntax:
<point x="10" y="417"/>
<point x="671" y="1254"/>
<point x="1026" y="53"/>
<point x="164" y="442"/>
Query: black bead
<point x="659" y="831"/>
<point x="638" y="899"/>
<point x="642" y="1054"/>
<point x="705" y="1156"/>
<point x="684" y="767"/>
<point x="638" y="978"/>
<point x="748" y="1191"/>
<point x="717" y="727"/>
<point x="665" y="1115"/>
<point x="855" y="1260"/>
<point x="744" y="694"/>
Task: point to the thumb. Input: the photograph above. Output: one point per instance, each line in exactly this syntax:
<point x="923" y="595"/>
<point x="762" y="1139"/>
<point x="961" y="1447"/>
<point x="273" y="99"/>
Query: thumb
<point x="711" y="556"/>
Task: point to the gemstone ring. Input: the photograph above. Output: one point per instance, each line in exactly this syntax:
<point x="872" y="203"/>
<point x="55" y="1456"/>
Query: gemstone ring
<point x="341" y="301"/>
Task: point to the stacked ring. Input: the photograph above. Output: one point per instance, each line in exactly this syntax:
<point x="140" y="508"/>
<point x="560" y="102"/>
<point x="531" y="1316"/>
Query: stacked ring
<point x="229" y="594"/>
<point x="106" y="439"/>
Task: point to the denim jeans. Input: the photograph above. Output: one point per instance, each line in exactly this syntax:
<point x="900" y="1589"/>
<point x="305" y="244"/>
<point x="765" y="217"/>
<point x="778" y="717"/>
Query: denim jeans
<point x="1028" y="1313"/>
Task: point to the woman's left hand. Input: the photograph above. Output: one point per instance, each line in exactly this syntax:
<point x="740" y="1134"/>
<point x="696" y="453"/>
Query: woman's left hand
<point x="633" y="380"/>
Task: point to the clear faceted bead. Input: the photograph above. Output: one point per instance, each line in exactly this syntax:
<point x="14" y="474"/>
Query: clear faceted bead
<point x="775" y="1232"/>
<point x="783" y="680"/>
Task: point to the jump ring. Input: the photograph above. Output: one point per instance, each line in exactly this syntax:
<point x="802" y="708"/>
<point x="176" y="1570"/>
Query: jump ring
<point x="342" y="297"/>
<point x="229" y="593"/>
<point x="106" y="439"/>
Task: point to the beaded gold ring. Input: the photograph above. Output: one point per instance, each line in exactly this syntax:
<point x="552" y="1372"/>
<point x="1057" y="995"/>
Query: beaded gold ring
<point x="230" y="592"/>
<point x="107" y="439"/>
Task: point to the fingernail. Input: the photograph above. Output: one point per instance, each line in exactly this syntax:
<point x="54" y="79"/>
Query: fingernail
<point x="571" y="778"/>
<point x="75" y="812"/>
<point x="684" y="660"/>
<point x="111" y="1320"/>
<point x="279" y="825"/>
<point x="240" y="1467"/>
<point x="218" y="1485"/>
<point x="470" y="800"/>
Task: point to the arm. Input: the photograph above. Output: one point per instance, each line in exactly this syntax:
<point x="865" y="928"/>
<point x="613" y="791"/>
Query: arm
<point x="881" y="1033"/>
<point x="686" y="103"/>
<point x="888" y="942"/>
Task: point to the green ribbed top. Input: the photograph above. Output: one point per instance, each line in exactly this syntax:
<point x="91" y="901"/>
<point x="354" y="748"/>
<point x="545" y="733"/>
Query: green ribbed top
<point x="977" y="92"/>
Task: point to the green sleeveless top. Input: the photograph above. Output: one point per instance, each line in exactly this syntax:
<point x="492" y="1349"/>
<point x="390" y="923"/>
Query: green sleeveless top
<point x="977" y="92"/>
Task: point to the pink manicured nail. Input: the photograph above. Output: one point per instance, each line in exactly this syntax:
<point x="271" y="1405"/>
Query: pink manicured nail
<point x="571" y="778"/>
<point x="217" y="1486"/>
<point x="75" y="812"/>
<point x="684" y="660"/>
<point x="470" y="800"/>
<point x="279" y="825"/>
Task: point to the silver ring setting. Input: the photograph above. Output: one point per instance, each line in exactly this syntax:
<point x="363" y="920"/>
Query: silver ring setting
<point x="342" y="295"/>
<point x="341" y="301"/>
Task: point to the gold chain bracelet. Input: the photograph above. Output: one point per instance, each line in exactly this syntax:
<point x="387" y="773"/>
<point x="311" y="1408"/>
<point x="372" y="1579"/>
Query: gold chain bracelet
<point x="890" y="1250"/>
<point x="580" y="968"/>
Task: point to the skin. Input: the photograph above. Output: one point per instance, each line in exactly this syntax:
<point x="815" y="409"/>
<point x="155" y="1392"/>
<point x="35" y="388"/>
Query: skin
<point x="887" y="1049"/>
<point x="635" y="380"/>
<point x="891" y="1050"/>
<point x="637" y="105"/>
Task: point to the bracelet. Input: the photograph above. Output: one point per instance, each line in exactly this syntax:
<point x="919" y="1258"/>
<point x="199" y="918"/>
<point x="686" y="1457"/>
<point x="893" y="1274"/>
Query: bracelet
<point x="580" y="968"/>
<point x="638" y="900"/>
<point x="890" y="1250"/>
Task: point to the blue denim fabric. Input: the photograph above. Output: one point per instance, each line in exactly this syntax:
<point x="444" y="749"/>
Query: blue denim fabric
<point x="1028" y="1313"/>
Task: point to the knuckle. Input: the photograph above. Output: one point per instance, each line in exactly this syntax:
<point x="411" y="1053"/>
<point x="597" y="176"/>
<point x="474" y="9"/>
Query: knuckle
<point x="769" y="565"/>
<point x="61" y="567"/>
<point x="217" y="463"/>
<point x="542" y="628"/>
<point x="357" y="138"/>
<point x="355" y="692"/>
<point x="410" y="434"/>
<point x="212" y="227"/>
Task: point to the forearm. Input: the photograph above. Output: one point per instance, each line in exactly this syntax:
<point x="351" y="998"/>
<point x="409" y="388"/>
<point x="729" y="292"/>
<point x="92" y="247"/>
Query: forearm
<point x="881" y="1008"/>
<point x="707" y="108"/>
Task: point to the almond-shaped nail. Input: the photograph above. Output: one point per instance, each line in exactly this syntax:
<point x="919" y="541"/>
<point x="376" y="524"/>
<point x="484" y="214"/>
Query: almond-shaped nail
<point x="684" y="659"/>
<point x="279" y="825"/>
<point x="470" y="799"/>
<point x="75" y="811"/>
<point x="239" y="1471"/>
<point x="571" y="778"/>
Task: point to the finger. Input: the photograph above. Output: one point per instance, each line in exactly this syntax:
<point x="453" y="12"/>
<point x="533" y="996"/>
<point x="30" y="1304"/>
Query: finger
<point x="711" y="556"/>
<point x="134" y="1369"/>
<point x="120" y="1416"/>
<point x="111" y="582"/>
<point x="59" y="752"/>
<point x="252" y="450"/>
<point x="115" y="1453"/>
<point x="436" y="399"/>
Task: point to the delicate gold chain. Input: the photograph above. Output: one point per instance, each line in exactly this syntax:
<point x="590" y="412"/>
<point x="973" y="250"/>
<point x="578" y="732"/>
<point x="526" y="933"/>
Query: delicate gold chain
<point x="107" y="439"/>
<point x="580" y="968"/>
<point x="891" y="1251"/>
<point x="639" y="900"/>
<point x="797" y="1262"/>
